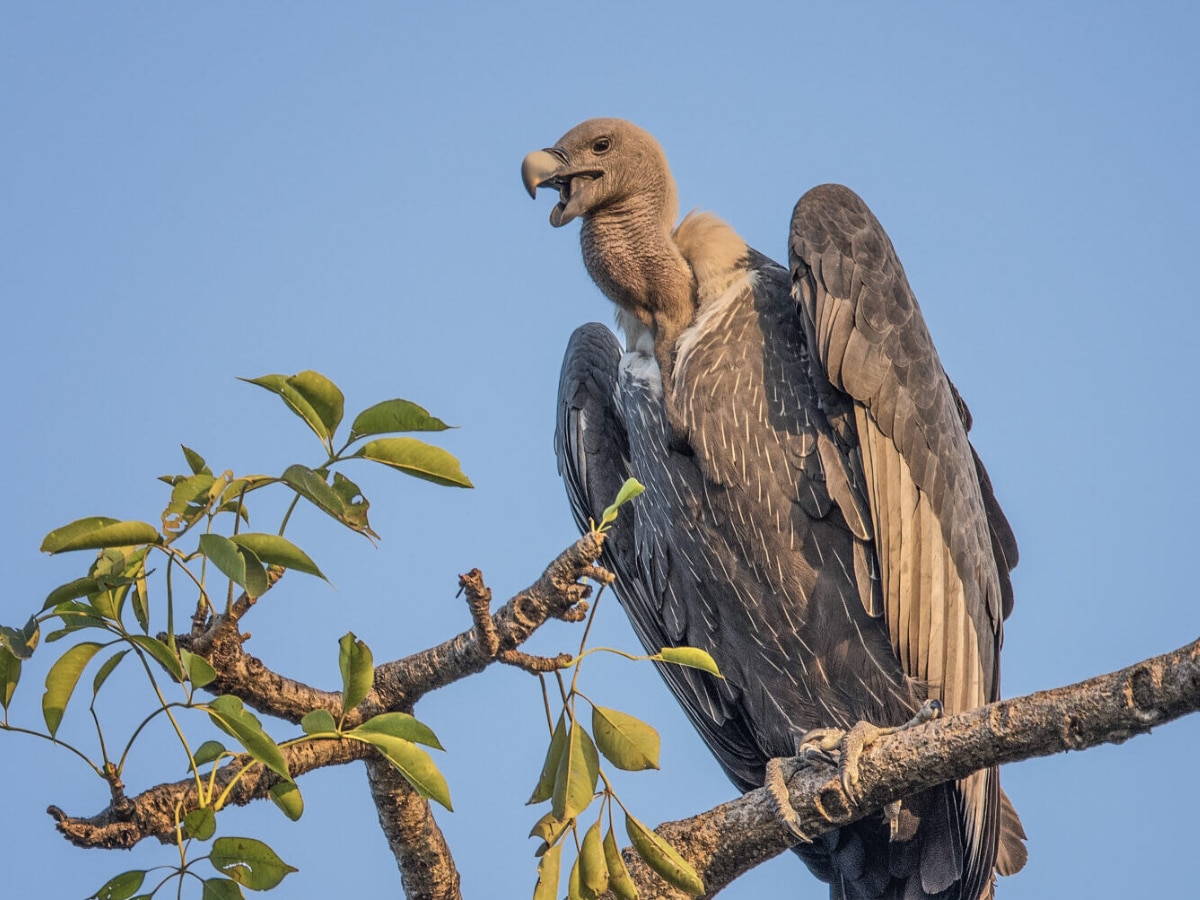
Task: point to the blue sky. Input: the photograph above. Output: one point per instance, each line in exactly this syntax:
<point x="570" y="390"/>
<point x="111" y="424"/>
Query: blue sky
<point x="190" y="193"/>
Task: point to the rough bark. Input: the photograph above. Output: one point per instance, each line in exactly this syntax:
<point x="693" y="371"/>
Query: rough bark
<point x="152" y="813"/>
<point x="727" y="841"/>
<point x="426" y="864"/>
<point x="722" y="843"/>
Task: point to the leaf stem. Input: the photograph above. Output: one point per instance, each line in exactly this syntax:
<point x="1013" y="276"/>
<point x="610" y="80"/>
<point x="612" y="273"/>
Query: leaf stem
<point x="16" y="729"/>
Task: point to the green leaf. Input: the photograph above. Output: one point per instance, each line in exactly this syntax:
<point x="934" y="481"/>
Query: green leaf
<point x="249" y="862"/>
<point x="620" y="882"/>
<point x="344" y="501"/>
<point x="233" y="496"/>
<point x="391" y="416"/>
<point x="593" y="870"/>
<point x="257" y="582"/>
<point x="72" y="590"/>
<point x="663" y="858"/>
<point x="189" y="500"/>
<point x="108" y="603"/>
<point x="71" y="610"/>
<point x="140" y="604"/>
<point x="310" y="395"/>
<point x="61" y="681"/>
<point x="312" y="486"/>
<point x="221" y="889"/>
<point x="416" y="458"/>
<point x="226" y="556"/>
<point x="230" y="716"/>
<point x="10" y="675"/>
<point x="161" y="652"/>
<point x="576" y="889"/>
<point x="549" y="829"/>
<point x="21" y="642"/>
<point x="122" y="887"/>
<point x="319" y="721"/>
<point x="65" y="632"/>
<point x="75" y="617"/>
<point x="630" y="489"/>
<point x="277" y="551"/>
<point x="209" y="751"/>
<point x="692" y="657"/>
<point x="195" y="461"/>
<point x="417" y="766"/>
<point x="237" y="507"/>
<point x="200" y="824"/>
<point x="97" y="532"/>
<point x="286" y="796"/>
<point x="358" y="670"/>
<point x="117" y="598"/>
<point x="549" y="874"/>
<point x="322" y="395"/>
<point x="199" y="671"/>
<point x="400" y="725"/>
<point x="627" y="742"/>
<point x="354" y="505"/>
<point x="105" y="670"/>
<point x="575" y="782"/>
<point x="558" y="743"/>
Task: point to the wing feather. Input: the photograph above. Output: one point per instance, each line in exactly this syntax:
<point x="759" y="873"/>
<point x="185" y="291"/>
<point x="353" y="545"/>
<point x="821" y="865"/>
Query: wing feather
<point x="910" y="433"/>
<point x="593" y="449"/>
<point x="944" y="547"/>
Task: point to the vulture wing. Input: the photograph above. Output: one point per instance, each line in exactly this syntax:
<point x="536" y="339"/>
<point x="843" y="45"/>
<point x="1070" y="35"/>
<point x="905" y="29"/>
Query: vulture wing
<point x="944" y="547"/>
<point x="592" y="443"/>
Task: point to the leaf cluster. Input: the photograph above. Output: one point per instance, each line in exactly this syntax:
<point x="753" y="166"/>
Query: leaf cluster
<point x="572" y="780"/>
<point x="205" y="552"/>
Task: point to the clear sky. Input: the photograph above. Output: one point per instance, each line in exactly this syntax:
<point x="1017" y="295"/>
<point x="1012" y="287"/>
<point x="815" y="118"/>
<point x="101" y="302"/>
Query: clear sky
<point x="193" y="192"/>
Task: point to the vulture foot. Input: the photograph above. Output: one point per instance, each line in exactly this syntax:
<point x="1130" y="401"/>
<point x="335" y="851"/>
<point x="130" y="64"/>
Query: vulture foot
<point x="832" y="746"/>
<point x="776" y="784"/>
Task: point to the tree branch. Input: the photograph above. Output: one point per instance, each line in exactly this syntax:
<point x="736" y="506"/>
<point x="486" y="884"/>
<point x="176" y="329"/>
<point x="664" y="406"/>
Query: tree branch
<point x="557" y="594"/>
<point x="722" y="843"/>
<point x="426" y="864"/>
<point x="152" y="813"/>
<point x="731" y="839"/>
<point x="427" y="870"/>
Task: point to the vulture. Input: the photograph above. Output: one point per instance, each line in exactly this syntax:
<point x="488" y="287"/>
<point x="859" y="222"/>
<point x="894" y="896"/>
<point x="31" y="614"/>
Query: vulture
<point x="814" y="515"/>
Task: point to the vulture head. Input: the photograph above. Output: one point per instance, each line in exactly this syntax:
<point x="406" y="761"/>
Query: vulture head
<point x="602" y="168"/>
<point x="614" y="177"/>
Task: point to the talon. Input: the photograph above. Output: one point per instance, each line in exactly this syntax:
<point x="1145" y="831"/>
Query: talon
<point x="857" y="739"/>
<point x="776" y="784"/>
<point x="843" y="749"/>
<point x="891" y="815"/>
<point x="821" y="742"/>
<point x="814" y="756"/>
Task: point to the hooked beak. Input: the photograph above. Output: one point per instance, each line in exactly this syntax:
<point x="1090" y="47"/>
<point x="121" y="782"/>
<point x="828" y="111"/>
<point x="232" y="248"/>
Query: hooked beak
<point x="549" y="168"/>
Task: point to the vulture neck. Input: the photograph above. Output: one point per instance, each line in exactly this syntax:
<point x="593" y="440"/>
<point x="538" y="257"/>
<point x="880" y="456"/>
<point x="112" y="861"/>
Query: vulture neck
<point x="660" y="277"/>
<point x="630" y="253"/>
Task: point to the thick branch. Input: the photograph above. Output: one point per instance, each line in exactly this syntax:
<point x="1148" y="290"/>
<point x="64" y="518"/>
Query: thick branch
<point x="427" y="870"/>
<point x="553" y="596"/>
<point x="400" y="684"/>
<point x="729" y="840"/>
<point x="248" y="678"/>
<point x="426" y="865"/>
<point x="152" y="813"/>
<point x="722" y="843"/>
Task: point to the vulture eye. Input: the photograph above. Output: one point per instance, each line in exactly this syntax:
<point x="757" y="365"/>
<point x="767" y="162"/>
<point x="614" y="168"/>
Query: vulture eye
<point x="601" y="145"/>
